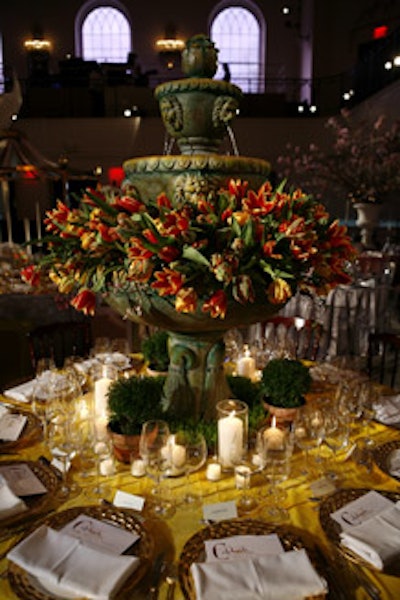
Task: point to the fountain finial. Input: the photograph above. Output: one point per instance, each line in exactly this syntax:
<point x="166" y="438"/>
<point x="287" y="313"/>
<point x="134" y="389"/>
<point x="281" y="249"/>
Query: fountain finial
<point x="200" y="57"/>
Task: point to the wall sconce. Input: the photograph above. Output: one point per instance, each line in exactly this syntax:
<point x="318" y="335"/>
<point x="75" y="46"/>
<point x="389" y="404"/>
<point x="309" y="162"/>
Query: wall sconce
<point x="169" y="48"/>
<point x="37" y="45"/>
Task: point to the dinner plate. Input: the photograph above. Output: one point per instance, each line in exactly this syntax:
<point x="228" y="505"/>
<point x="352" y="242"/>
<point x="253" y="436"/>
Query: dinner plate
<point x="381" y="455"/>
<point x="30" y="434"/>
<point x="332" y="529"/>
<point x="48" y="476"/>
<point x="28" y="587"/>
<point x="193" y="551"/>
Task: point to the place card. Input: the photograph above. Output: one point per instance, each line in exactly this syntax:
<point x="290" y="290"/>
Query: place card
<point x="125" y="500"/>
<point x="11" y="426"/>
<point x="22" y="480"/>
<point x="219" y="511"/>
<point x="322" y="487"/>
<point x="358" y="511"/>
<point x="394" y="463"/>
<point x="242" y="546"/>
<point x="21" y="392"/>
<point x="100" y="534"/>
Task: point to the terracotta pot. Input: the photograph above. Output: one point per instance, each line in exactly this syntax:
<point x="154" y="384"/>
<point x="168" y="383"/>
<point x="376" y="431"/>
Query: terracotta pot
<point x="282" y="414"/>
<point x="124" y="445"/>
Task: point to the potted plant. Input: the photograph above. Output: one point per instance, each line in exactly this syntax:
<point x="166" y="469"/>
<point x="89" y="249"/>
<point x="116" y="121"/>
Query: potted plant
<point x="155" y="351"/>
<point x="131" y="402"/>
<point x="284" y="383"/>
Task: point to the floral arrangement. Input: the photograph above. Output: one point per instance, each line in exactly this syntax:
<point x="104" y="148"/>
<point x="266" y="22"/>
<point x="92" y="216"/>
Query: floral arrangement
<point x="200" y="253"/>
<point x="362" y="164"/>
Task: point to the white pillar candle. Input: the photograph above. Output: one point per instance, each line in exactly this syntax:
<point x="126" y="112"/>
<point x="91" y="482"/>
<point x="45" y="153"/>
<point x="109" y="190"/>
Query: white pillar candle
<point x="242" y="477"/>
<point x="107" y="467"/>
<point x="246" y="366"/>
<point x="176" y="454"/>
<point x="273" y="436"/>
<point x="213" y="472"/>
<point x="101" y="387"/>
<point x="138" y="468"/>
<point x="230" y="440"/>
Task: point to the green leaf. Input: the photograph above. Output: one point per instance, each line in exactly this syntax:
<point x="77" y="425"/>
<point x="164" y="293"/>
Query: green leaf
<point x="194" y="255"/>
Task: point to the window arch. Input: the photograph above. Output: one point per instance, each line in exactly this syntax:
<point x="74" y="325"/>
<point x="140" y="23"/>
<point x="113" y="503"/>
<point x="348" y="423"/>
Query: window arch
<point x="238" y="31"/>
<point x="103" y="32"/>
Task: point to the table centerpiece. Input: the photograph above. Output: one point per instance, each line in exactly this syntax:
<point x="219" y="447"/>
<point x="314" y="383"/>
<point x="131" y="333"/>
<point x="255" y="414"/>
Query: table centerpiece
<point x="195" y="244"/>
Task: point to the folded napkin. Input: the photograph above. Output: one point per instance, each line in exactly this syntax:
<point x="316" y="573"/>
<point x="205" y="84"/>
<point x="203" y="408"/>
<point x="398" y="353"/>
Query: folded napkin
<point x="22" y="392"/>
<point x="376" y="540"/>
<point x="289" y="575"/>
<point x="63" y="564"/>
<point x="387" y="410"/>
<point x="394" y="463"/>
<point x="10" y="504"/>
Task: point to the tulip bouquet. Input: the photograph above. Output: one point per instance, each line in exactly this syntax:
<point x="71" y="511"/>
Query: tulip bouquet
<point x="200" y="253"/>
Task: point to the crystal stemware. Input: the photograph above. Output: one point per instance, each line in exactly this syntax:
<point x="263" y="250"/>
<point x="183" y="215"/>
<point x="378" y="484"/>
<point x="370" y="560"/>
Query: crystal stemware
<point x="276" y="454"/>
<point x="153" y="448"/>
<point x="61" y="444"/>
<point x="195" y="456"/>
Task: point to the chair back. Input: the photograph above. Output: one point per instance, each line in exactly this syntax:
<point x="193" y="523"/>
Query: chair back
<point x="385" y="347"/>
<point x="302" y="335"/>
<point x="57" y="341"/>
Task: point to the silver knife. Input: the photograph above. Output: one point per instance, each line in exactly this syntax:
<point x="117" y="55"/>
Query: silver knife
<point x="156" y="575"/>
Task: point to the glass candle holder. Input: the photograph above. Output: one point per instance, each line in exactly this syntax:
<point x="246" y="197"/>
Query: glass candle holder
<point x="233" y="424"/>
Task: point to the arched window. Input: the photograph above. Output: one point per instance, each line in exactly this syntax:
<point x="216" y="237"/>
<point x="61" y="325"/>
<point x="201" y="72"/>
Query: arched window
<point x="103" y="33"/>
<point x="238" y="31"/>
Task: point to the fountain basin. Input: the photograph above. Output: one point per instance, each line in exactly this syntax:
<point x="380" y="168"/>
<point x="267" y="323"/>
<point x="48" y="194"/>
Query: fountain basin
<point x="178" y="176"/>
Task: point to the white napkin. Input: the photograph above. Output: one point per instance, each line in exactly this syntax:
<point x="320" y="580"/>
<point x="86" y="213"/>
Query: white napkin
<point x="279" y="577"/>
<point x="22" y="392"/>
<point x="10" y="504"/>
<point x="64" y="564"/>
<point x="376" y="540"/>
<point x="387" y="410"/>
<point x="394" y="463"/>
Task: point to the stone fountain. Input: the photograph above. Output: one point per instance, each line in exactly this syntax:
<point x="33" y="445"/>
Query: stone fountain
<point x="197" y="112"/>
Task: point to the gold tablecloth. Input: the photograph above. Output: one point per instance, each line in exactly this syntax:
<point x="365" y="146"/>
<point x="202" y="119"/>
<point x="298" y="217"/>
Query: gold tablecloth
<point x="174" y="532"/>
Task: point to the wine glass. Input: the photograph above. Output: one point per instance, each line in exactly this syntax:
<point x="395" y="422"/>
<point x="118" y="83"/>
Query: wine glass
<point x="153" y="448"/>
<point x="308" y="433"/>
<point x="336" y="437"/>
<point x="105" y="466"/>
<point x="369" y="397"/>
<point x="243" y="475"/>
<point x="61" y="444"/>
<point x="276" y="448"/>
<point x="195" y="456"/>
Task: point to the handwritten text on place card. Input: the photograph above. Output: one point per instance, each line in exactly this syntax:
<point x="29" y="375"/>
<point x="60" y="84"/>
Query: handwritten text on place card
<point x="242" y="546"/>
<point x="356" y="512"/>
<point x="100" y="534"/>
<point x="22" y="480"/>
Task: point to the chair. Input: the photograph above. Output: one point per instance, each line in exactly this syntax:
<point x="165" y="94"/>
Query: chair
<point x="304" y="335"/>
<point x="386" y="346"/>
<point x="57" y="341"/>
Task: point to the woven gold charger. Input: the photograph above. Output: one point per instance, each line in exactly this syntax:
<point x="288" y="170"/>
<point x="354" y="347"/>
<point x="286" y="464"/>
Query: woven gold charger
<point x="332" y="529"/>
<point x="27" y="587"/>
<point x="193" y="551"/>
<point x="30" y="434"/>
<point x="38" y="502"/>
<point x="381" y="455"/>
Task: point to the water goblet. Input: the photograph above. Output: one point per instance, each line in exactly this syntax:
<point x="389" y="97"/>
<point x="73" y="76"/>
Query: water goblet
<point x="308" y="433"/>
<point x="195" y="456"/>
<point x="61" y="444"/>
<point x="153" y="448"/>
<point x="243" y="475"/>
<point x="336" y="437"/>
<point x="276" y="454"/>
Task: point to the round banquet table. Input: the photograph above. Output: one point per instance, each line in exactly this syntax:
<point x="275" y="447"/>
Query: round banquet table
<point x="172" y="534"/>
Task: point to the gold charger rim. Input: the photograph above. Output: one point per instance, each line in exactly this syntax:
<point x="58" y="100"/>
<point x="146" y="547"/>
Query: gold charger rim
<point x="381" y="456"/>
<point x="291" y="537"/>
<point x="27" y="587"/>
<point x="31" y="432"/>
<point x="332" y="529"/>
<point x="38" y="502"/>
